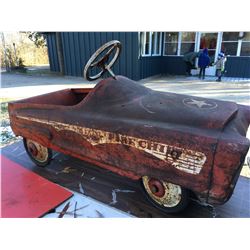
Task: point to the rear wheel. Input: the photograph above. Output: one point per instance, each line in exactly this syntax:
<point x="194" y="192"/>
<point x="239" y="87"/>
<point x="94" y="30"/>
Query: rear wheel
<point x="164" y="195"/>
<point x="39" y="154"/>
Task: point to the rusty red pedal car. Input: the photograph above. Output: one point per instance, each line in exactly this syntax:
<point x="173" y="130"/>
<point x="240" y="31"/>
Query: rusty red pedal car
<point x="176" y="144"/>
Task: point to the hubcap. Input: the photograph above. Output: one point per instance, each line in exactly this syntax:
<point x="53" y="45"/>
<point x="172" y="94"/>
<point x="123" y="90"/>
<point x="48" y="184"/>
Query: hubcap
<point x="37" y="151"/>
<point x="156" y="187"/>
<point x="164" y="193"/>
<point x="32" y="149"/>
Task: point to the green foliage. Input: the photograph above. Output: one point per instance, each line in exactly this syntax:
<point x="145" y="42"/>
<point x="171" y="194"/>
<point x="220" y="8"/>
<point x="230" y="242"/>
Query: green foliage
<point x="20" y="50"/>
<point x="13" y="61"/>
<point x="37" y="38"/>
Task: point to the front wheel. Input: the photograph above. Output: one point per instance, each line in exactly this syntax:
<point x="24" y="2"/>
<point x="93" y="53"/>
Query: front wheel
<point x="166" y="196"/>
<point x="39" y="154"/>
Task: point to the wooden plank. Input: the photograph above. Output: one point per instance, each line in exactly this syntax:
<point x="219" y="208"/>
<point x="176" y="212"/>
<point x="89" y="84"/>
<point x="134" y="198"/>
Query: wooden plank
<point x="121" y="192"/>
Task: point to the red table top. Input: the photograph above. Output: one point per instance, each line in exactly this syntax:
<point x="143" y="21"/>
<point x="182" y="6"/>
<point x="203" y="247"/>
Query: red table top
<point x="26" y="194"/>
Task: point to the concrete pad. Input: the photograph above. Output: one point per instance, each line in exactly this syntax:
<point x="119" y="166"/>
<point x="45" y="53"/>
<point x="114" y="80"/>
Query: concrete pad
<point x="238" y="92"/>
<point x="18" y="86"/>
<point x="82" y="206"/>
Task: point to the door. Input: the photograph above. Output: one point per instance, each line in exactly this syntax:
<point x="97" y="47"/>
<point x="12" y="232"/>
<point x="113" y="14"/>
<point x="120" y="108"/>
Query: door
<point x="211" y="41"/>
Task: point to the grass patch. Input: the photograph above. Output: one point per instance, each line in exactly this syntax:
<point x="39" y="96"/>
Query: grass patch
<point x="7" y="135"/>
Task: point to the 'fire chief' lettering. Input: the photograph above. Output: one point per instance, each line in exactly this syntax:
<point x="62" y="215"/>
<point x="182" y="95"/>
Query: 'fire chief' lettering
<point x="186" y="160"/>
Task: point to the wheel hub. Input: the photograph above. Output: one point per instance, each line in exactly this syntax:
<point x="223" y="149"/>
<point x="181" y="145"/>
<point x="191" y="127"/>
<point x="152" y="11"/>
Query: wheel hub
<point x="37" y="151"/>
<point x="164" y="193"/>
<point x="33" y="150"/>
<point x="156" y="187"/>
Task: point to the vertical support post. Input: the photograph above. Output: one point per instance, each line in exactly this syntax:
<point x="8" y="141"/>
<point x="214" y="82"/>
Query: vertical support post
<point x="150" y="43"/>
<point x="179" y="44"/>
<point x="218" y="45"/>
<point x="239" y="44"/>
<point x="197" y="41"/>
<point x="197" y="47"/>
<point x="60" y="52"/>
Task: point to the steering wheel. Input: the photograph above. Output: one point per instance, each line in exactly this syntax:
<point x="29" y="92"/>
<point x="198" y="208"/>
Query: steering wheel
<point x="94" y="61"/>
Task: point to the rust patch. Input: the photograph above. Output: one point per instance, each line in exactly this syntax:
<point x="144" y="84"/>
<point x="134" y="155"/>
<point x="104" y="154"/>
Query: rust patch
<point x="185" y="160"/>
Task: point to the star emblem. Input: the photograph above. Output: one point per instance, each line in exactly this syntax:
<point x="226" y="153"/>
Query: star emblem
<point x="191" y="102"/>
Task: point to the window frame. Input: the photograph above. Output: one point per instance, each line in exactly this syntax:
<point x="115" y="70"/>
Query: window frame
<point x="231" y="41"/>
<point x="151" y="49"/>
<point x="187" y="42"/>
<point x="179" y="42"/>
<point x="241" y="47"/>
<point x="242" y="42"/>
<point x="156" y="42"/>
<point x="164" y="45"/>
<point x="143" y="49"/>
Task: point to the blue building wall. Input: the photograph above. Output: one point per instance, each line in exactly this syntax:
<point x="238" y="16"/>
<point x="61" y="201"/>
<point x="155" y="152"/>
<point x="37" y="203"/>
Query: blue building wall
<point x="52" y="51"/>
<point x="149" y="66"/>
<point x="238" y="66"/>
<point x="79" y="46"/>
<point x="173" y="65"/>
<point x="235" y="66"/>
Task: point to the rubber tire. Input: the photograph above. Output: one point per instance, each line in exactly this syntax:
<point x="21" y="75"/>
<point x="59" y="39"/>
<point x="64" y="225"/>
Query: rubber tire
<point x="39" y="164"/>
<point x="185" y="194"/>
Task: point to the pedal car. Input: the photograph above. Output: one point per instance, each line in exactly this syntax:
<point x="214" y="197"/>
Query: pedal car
<point x="176" y="144"/>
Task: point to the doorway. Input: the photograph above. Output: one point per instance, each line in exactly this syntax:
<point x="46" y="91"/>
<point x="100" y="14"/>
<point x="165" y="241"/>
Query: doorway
<point x="211" y="41"/>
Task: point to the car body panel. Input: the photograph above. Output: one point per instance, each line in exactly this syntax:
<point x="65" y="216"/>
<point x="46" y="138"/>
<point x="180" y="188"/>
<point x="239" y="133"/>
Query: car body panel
<point x="135" y="131"/>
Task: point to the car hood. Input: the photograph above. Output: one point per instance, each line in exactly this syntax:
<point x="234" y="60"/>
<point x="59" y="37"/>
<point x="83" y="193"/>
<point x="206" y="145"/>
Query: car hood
<point x="127" y="99"/>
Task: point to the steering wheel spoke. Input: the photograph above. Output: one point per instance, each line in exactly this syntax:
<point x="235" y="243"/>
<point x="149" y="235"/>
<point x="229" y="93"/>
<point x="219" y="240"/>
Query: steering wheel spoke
<point x="93" y="64"/>
<point x="110" y="50"/>
<point x="103" y="61"/>
<point x="110" y="71"/>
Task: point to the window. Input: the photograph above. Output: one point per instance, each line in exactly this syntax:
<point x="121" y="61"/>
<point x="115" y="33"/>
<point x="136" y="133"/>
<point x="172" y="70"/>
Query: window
<point x="178" y="43"/>
<point x="236" y="43"/>
<point x="156" y="43"/>
<point x="209" y="40"/>
<point x="171" y="43"/>
<point x="187" y="42"/>
<point x="245" y="46"/>
<point x="145" y="43"/>
<point x="150" y="43"/>
<point x="229" y="43"/>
